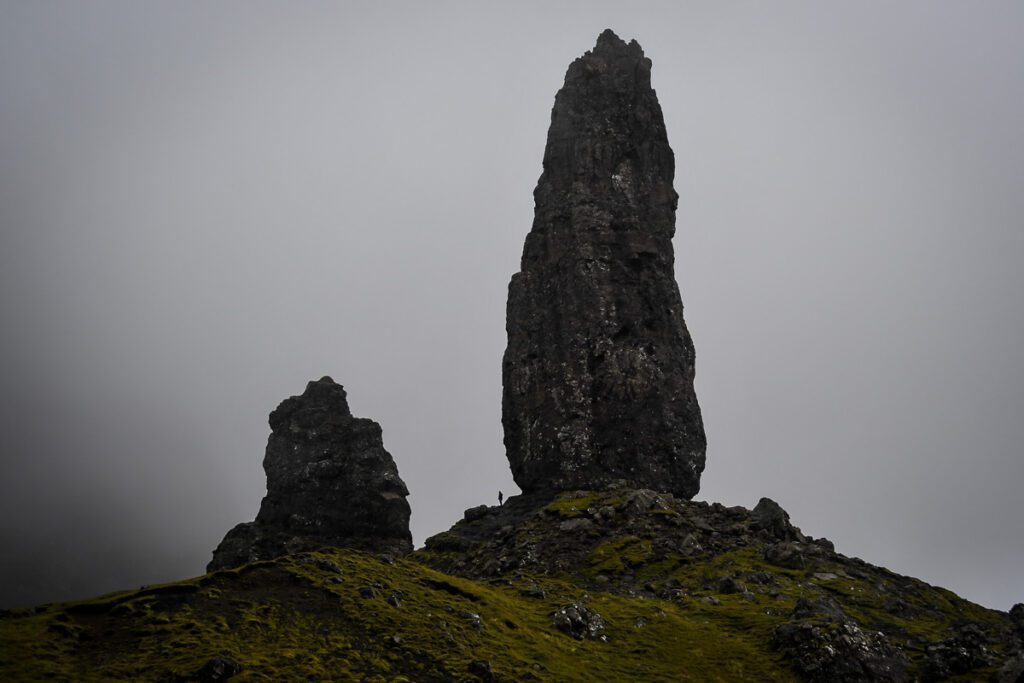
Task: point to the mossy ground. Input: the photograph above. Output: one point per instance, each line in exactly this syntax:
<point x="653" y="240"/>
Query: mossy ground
<point x="340" y="615"/>
<point x="298" y="619"/>
<point x="649" y="549"/>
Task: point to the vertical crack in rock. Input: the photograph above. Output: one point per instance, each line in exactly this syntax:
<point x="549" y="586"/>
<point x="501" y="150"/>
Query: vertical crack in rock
<point x="330" y="482"/>
<point x="598" y="372"/>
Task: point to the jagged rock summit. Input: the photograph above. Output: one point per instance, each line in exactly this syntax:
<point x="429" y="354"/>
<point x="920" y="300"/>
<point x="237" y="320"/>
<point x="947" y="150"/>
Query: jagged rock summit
<point x="598" y="372"/>
<point x="329" y="483"/>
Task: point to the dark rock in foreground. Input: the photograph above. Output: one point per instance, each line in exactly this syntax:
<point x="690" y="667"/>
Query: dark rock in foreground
<point x="598" y="372"/>
<point x="329" y="483"/>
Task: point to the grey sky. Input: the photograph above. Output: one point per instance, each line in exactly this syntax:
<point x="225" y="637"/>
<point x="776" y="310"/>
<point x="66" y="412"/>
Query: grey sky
<point x="204" y="206"/>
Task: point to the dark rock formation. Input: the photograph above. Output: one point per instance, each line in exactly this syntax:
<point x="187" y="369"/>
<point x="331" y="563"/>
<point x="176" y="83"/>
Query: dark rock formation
<point x="786" y="555"/>
<point x="598" y="372"/>
<point x="840" y="651"/>
<point x="579" y="621"/>
<point x="217" y="669"/>
<point x="1017" y="617"/>
<point x="966" y="650"/>
<point x="771" y="518"/>
<point x="329" y="483"/>
<point x="832" y="617"/>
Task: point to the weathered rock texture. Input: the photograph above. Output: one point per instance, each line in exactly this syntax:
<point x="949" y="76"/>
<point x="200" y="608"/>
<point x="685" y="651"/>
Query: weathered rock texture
<point x="598" y="372"/>
<point x="329" y="483"/>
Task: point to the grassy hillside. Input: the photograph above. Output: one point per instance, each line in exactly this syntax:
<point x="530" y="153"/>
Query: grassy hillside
<point x="668" y="591"/>
<point x="346" y="615"/>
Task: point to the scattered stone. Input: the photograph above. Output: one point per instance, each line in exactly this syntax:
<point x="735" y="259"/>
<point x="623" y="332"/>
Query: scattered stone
<point x="534" y="591"/>
<point x="328" y="566"/>
<point x="598" y="373"/>
<point x="730" y="585"/>
<point x="576" y="524"/>
<point x="900" y="608"/>
<point x="825" y="544"/>
<point x="393" y="641"/>
<point x="474" y="513"/>
<point x="482" y="670"/>
<point x="828" y="652"/>
<point x="822" y="608"/>
<point x="762" y="578"/>
<point x="395" y="599"/>
<point x="1012" y="671"/>
<point x="330" y="482"/>
<point x="1017" y="617"/>
<point x="965" y="651"/>
<point x="580" y="622"/>
<point x="446" y="541"/>
<point x="474" y="620"/>
<point x="787" y="555"/>
<point x="217" y="669"/>
<point x="769" y="516"/>
<point x="711" y="600"/>
<point x="690" y="545"/>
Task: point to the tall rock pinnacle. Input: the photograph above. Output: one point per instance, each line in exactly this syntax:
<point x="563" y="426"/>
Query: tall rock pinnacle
<point x="329" y="483"/>
<point x="598" y="372"/>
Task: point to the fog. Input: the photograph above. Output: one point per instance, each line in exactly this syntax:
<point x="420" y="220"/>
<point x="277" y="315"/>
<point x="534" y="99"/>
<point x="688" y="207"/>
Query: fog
<point x="204" y="206"/>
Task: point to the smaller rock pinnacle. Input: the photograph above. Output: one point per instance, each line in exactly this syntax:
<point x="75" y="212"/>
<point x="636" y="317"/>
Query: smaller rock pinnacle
<point x="329" y="483"/>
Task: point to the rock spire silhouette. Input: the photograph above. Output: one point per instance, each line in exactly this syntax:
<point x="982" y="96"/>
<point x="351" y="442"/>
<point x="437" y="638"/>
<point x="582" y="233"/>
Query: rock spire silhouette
<point x="598" y="372"/>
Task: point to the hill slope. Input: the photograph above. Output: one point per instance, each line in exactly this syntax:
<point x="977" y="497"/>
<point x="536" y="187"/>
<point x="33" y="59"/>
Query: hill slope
<point x="623" y="585"/>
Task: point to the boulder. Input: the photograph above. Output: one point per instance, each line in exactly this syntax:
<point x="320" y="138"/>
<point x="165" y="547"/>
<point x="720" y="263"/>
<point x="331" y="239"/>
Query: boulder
<point x="830" y="652"/>
<point x="769" y="516"/>
<point x="786" y="555"/>
<point x="966" y="650"/>
<point x="1017" y="617"/>
<point x="579" y="621"/>
<point x="217" y="669"/>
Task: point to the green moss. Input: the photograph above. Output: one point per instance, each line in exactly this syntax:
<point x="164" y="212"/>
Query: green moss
<point x="335" y="615"/>
<point x="616" y="555"/>
<point x="293" y="619"/>
<point x="570" y="507"/>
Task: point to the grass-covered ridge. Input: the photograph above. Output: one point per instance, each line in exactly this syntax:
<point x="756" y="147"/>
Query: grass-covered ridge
<point x="685" y="591"/>
<point x="723" y="567"/>
<point x="346" y="615"/>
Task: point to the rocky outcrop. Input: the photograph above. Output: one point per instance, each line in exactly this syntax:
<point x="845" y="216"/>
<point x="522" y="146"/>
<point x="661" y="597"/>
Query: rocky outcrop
<point x="829" y="651"/>
<point x="769" y="516"/>
<point x="598" y="372"/>
<point x="329" y="483"/>
<point x="830" y="617"/>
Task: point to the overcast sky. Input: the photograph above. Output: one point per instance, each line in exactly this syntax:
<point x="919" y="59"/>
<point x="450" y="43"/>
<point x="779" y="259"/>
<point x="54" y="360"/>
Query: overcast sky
<point x="205" y="205"/>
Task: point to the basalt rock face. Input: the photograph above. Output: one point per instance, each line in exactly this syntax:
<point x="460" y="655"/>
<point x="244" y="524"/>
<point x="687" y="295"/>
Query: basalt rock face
<point x="598" y="372"/>
<point x="329" y="483"/>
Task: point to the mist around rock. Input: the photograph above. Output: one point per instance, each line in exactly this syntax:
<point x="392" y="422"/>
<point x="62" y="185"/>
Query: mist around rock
<point x="605" y="437"/>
